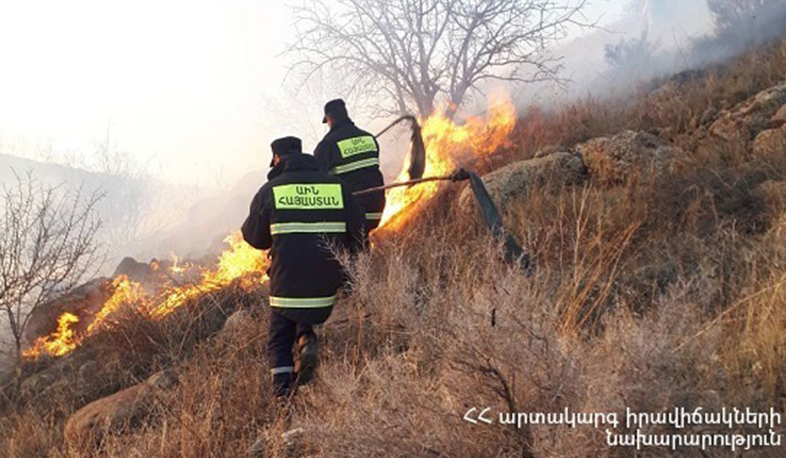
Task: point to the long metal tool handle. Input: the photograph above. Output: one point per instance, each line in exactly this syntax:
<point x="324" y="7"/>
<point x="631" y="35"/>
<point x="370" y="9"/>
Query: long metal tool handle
<point x="403" y="183"/>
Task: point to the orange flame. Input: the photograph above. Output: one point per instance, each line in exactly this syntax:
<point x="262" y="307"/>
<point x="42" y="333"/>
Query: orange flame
<point x="448" y="147"/>
<point x="239" y="261"/>
<point x="125" y="292"/>
<point x="63" y="340"/>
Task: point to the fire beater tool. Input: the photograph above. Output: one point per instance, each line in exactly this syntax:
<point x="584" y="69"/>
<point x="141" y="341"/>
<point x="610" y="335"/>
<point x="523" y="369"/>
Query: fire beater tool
<point x="514" y="253"/>
<point x="417" y="151"/>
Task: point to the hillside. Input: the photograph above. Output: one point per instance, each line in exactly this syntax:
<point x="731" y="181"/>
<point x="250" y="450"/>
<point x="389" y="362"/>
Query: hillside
<point x="656" y="225"/>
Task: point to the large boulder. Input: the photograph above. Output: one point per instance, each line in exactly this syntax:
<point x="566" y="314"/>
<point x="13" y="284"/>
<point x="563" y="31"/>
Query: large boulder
<point x="745" y="121"/>
<point x="118" y="412"/>
<point x="614" y="159"/>
<point x="237" y="322"/>
<point x="515" y="180"/>
<point x="135" y="271"/>
<point x="770" y="144"/>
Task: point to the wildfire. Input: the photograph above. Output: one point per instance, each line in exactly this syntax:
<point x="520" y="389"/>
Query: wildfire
<point x="239" y="261"/>
<point x="448" y="147"/>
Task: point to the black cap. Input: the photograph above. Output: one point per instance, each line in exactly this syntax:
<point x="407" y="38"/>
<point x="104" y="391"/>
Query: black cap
<point x="336" y="108"/>
<point x="285" y="146"/>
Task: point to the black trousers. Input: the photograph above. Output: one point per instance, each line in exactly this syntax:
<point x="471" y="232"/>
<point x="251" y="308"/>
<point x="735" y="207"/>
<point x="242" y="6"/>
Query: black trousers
<point x="282" y="336"/>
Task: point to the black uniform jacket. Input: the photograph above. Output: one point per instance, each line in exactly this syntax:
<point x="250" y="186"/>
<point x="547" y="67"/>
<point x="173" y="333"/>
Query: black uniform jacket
<point x="352" y="154"/>
<point x="300" y="214"/>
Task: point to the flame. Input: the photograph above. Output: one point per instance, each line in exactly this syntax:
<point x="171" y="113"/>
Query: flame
<point x="240" y="261"/>
<point x="175" y="269"/>
<point x="125" y="292"/>
<point x="63" y="340"/>
<point x="448" y="147"/>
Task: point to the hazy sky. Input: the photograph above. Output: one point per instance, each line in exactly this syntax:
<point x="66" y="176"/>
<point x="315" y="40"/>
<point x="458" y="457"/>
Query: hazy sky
<point x="189" y="87"/>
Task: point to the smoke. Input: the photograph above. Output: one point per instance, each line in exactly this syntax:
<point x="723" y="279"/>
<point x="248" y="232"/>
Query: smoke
<point x="738" y="26"/>
<point x="654" y="39"/>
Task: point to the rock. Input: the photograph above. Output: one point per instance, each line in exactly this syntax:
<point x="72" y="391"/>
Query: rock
<point x="748" y="119"/>
<point x="779" y="120"/>
<point x="770" y="144"/>
<point x="553" y="149"/>
<point x="614" y="159"/>
<point x="236" y="322"/>
<point x="514" y="180"/>
<point x="117" y="412"/>
<point x="135" y="271"/>
<point x="84" y="300"/>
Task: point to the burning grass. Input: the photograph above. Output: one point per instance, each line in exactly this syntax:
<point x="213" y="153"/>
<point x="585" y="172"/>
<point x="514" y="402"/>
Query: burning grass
<point x="240" y="262"/>
<point x="449" y="146"/>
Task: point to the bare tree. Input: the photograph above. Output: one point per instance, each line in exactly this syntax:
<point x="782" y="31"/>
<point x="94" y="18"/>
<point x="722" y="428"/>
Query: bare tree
<point x="418" y="53"/>
<point x="46" y="247"/>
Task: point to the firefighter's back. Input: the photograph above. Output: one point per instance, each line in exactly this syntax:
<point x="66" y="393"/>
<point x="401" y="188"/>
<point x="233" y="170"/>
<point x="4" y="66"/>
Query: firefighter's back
<point x="352" y="154"/>
<point x="309" y="213"/>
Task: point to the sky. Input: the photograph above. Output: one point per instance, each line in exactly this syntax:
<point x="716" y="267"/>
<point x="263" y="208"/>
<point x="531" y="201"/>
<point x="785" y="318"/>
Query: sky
<point x="191" y="90"/>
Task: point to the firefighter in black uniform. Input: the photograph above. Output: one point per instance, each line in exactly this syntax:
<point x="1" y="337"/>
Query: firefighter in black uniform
<point x="299" y="214"/>
<point x="352" y="154"/>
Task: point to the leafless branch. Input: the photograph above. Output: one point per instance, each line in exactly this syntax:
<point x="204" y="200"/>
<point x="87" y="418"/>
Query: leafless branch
<point x="47" y="245"/>
<point x="417" y="54"/>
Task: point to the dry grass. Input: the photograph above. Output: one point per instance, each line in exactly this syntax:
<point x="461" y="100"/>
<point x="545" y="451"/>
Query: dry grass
<point x="646" y="295"/>
<point x="678" y="108"/>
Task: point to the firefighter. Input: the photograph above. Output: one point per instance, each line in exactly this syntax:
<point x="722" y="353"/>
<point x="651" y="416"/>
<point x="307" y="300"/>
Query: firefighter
<point x="352" y="154"/>
<point x="300" y="214"/>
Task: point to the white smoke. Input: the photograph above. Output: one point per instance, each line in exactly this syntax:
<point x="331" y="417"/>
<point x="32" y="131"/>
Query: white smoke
<point x="654" y="39"/>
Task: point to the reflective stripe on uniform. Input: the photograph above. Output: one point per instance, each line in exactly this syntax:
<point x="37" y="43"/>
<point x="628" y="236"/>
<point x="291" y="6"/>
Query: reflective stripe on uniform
<point x="282" y="370"/>
<point x="308" y="196"/>
<point x="302" y="302"/>
<point x="374" y="216"/>
<point x="357" y="145"/>
<point x="308" y="228"/>
<point x="352" y="166"/>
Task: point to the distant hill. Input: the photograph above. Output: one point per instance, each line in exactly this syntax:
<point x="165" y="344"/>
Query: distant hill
<point x="131" y="208"/>
<point x="205" y="223"/>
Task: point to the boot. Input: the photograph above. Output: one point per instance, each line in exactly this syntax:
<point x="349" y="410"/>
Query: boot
<point x="307" y="352"/>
